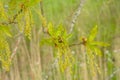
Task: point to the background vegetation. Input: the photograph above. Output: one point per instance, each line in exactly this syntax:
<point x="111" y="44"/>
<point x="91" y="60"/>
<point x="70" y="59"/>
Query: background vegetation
<point x="35" y="62"/>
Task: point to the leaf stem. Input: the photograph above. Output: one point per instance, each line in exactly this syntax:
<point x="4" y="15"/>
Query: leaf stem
<point x="76" y="44"/>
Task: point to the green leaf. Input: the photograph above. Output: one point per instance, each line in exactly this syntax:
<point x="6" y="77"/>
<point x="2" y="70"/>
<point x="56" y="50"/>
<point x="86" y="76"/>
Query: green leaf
<point x="50" y="28"/>
<point x="93" y="34"/>
<point x="59" y="31"/>
<point x="99" y="44"/>
<point x="6" y="30"/>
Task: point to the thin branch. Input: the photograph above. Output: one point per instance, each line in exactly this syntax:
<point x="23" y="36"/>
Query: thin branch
<point x="42" y="14"/>
<point x="75" y="15"/>
<point x="12" y="21"/>
<point x="16" y="15"/>
<point x="16" y="46"/>
<point x="41" y="8"/>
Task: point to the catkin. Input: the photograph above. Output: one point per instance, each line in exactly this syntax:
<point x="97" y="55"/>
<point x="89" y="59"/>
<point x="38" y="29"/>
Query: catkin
<point x="4" y="53"/>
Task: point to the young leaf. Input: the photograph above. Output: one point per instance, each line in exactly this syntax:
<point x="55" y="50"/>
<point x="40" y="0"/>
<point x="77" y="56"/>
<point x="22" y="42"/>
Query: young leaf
<point x="59" y="31"/>
<point x="50" y="28"/>
<point x="93" y="34"/>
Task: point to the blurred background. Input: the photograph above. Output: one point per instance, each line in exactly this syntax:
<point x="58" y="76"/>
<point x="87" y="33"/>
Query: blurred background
<point x="35" y="62"/>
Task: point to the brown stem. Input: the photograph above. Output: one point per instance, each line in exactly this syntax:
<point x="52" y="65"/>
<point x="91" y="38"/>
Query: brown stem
<point x="12" y="21"/>
<point x="16" y="15"/>
<point x="44" y="29"/>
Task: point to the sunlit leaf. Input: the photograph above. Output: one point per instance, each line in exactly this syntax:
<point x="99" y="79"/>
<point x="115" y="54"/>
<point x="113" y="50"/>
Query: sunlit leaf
<point x="50" y="28"/>
<point x="6" y="30"/>
<point x="59" y="31"/>
<point x="93" y="34"/>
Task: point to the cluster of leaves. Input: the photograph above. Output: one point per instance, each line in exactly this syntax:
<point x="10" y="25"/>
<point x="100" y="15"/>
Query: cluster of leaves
<point x="59" y="38"/>
<point x="93" y="49"/>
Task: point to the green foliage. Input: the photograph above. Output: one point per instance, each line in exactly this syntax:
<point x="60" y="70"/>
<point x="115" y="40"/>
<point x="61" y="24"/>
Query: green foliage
<point x="58" y="36"/>
<point x="59" y="39"/>
<point x="94" y="44"/>
<point x="92" y="34"/>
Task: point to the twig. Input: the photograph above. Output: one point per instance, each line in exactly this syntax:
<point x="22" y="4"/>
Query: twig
<point x="75" y="44"/>
<point x="16" y="46"/>
<point x="76" y="14"/>
<point x="12" y="21"/>
<point x="42" y="15"/>
<point x="16" y="15"/>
